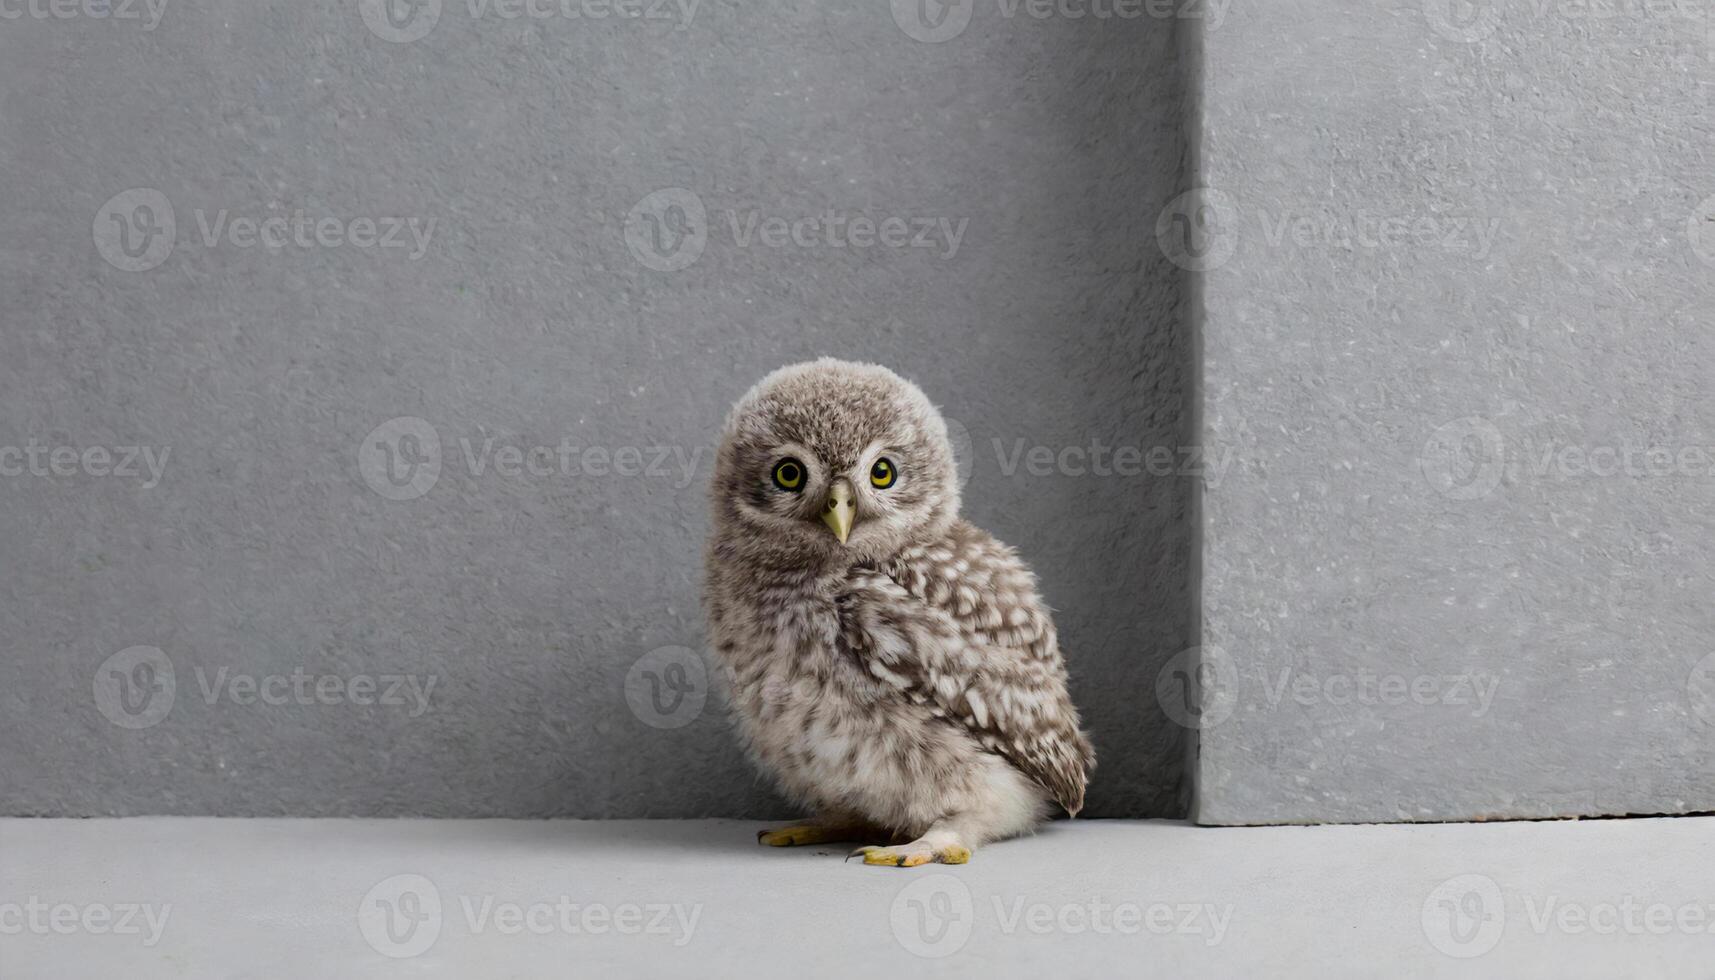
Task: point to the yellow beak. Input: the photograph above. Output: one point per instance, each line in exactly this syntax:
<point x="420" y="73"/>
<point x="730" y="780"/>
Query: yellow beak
<point x="841" y="510"/>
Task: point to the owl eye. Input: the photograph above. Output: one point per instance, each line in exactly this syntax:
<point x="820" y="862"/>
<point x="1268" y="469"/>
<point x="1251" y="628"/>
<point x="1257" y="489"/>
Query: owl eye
<point x="882" y="474"/>
<point x="789" y="475"/>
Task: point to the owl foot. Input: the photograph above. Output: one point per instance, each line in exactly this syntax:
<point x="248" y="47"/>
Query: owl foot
<point x="914" y="854"/>
<point x="810" y="833"/>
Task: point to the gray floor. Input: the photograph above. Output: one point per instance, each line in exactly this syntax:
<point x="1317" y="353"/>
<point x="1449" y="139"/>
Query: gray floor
<point x="332" y="898"/>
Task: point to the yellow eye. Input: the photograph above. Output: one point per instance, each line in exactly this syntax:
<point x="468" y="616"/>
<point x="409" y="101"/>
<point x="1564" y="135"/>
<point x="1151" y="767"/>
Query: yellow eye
<point x="789" y="475"/>
<point x="882" y="474"/>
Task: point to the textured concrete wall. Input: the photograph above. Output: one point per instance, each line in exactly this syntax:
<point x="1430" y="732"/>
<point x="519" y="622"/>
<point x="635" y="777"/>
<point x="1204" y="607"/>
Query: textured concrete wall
<point x="1458" y="279"/>
<point x="341" y="579"/>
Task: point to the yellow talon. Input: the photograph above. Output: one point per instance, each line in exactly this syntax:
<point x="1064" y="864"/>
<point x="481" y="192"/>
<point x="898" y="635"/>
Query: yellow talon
<point x="799" y="835"/>
<point x="888" y="857"/>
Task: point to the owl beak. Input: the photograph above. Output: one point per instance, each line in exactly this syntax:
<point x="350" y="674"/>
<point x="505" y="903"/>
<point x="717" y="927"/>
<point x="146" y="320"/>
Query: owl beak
<point x="841" y="510"/>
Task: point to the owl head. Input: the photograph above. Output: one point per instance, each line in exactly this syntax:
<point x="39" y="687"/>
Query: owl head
<point x="832" y="462"/>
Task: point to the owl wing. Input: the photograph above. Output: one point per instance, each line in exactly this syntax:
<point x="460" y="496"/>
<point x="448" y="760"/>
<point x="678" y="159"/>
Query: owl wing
<point x="958" y="626"/>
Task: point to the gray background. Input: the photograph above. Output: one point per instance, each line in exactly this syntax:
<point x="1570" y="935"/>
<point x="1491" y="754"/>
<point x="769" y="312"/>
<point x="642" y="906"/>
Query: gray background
<point x="1389" y="405"/>
<point x="528" y="599"/>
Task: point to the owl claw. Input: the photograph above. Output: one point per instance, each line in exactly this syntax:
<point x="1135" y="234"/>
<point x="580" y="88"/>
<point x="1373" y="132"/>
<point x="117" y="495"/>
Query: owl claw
<point x="795" y="836"/>
<point x="802" y="834"/>
<point x="912" y="855"/>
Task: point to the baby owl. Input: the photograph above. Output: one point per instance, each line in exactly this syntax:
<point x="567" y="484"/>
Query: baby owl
<point x="889" y="663"/>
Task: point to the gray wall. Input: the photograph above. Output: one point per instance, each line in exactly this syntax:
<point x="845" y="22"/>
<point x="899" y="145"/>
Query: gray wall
<point x="540" y="309"/>
<point x="1430" y="419"/>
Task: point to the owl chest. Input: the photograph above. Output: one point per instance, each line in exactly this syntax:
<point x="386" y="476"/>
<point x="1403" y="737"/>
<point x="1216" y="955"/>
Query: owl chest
<point x="800" y="667"/>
